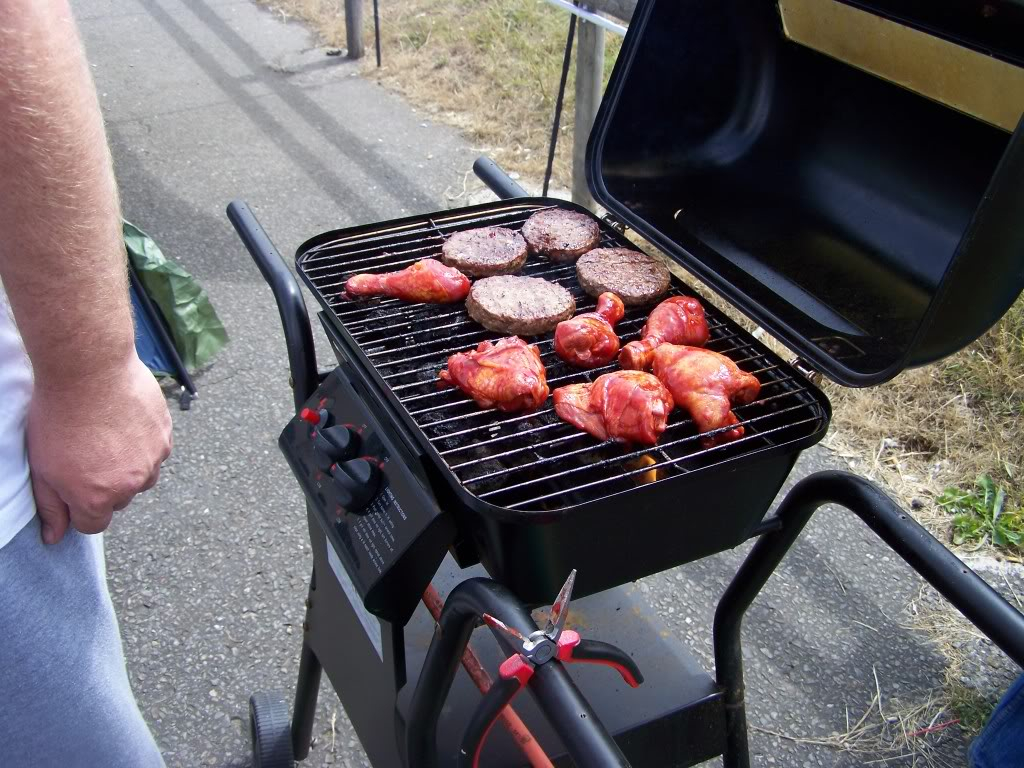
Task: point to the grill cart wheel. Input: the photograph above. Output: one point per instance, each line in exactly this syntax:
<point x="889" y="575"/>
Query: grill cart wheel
<point x="270" y="728"/>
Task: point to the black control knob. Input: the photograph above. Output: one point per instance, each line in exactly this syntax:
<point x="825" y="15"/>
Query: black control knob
<point x="356" y="482"/>
<point x="334" y="444"/>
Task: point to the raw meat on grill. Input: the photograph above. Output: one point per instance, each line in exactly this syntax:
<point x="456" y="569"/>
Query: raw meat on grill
<point x="427" y="281"/>
<point x="589" y="340"/>
<point x="507" y="374"/>
<point x="706" y="385"/>
<point x="626" y="406"/>
<point x="485" y="251"/>
<point x="679" y="320"/>
<point x="521" y="306"/>
<point x="634" y="277"/>
<point x="561" y="235"/>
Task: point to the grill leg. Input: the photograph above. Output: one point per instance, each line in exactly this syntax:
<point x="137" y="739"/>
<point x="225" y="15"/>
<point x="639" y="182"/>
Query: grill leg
<point x="306" y="691"/>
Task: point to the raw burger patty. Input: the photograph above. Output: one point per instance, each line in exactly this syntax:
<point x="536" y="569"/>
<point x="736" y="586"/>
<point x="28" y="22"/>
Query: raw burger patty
<point x="520" y="306"/>
<point x="485" y="251"/>
<point x="561" y="235"/>
<point x="634" y="277"/>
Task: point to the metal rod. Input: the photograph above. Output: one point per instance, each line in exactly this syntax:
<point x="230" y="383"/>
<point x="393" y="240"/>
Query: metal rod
<point x="306" y="690"/>
<point x="968" y="592"/>
<point x="499" y="182"/>
<point x="559" y="99"/>
<point x="588" y="15"/>
<point x="376" y="29"/>
<point x="298" y="336"/>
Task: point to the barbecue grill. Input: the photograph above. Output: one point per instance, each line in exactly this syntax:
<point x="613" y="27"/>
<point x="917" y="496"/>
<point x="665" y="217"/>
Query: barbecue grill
<point x="529" y="487"/>
<point x="809" y="185"/>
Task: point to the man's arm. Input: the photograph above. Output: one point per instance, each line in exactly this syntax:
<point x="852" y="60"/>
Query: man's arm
<point x="98" y="425"/>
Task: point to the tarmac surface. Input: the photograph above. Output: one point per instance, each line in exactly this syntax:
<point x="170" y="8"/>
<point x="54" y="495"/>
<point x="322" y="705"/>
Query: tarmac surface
<point x="211" y="101"/>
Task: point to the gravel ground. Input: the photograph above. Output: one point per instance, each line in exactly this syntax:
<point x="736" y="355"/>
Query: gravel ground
<point x="210" y="101"/>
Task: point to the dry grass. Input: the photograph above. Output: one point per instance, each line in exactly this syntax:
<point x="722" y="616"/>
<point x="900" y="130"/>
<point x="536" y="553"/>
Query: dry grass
<point x="957" y="639"/>
<point x="488" y="67"/>
<point x="491" y="68"/>
<point x="909" y="729"/>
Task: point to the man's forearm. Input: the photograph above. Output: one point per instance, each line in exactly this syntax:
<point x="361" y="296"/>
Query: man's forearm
<point x="62" y="256"/>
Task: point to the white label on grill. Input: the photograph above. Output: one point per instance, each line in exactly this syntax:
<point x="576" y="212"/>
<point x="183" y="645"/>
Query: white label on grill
<point x="371" y="626"/>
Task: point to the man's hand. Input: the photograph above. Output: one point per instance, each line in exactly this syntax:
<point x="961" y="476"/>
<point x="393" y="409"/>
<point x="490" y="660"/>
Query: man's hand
<point x="93" y="446"/>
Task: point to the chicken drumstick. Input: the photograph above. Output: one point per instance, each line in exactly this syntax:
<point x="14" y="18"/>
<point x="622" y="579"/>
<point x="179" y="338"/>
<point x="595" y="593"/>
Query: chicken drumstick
<point x="588" y="340"/>
<point x="507" y="375"/>
<point x="428" y="281"/>
<point x="707" y="385"/>
<point x="625" y="406"/>
<point x="679" y="320"/>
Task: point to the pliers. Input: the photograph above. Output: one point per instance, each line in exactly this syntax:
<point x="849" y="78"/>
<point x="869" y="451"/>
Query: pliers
<point x="552" y="642"/>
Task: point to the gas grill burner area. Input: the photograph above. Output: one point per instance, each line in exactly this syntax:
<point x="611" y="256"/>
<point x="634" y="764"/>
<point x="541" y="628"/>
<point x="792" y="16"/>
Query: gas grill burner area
<point x="532" y="462"/>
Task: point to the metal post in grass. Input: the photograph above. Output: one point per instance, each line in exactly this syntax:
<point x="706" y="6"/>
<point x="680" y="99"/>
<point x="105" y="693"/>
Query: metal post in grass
<point x="354" y="28"/>
<point x="590" y="77"/>
<point x="589" y="71"/>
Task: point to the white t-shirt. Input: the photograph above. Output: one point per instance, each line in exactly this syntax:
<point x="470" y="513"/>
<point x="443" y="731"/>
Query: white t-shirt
<point x="17" y="506"/>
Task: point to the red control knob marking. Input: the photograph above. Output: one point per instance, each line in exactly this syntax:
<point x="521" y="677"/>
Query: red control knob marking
<point x="308" y="414"/>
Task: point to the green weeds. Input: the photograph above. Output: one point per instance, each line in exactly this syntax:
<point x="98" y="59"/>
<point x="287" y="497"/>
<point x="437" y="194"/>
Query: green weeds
<point x="982" y="515"/>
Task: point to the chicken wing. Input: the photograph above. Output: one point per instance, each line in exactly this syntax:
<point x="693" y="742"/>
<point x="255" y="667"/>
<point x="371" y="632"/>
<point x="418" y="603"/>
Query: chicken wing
<point x="625" y="406"/>
<point x="678" y="320"/>
<point x="588" y="340"/>
<point x="427" y="281"/>
<point x="507" y="374"/>
<point x="707" y="385"/>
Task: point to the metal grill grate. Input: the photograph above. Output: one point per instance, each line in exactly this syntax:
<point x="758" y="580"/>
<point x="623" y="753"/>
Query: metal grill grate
<point x="530" y="461"/>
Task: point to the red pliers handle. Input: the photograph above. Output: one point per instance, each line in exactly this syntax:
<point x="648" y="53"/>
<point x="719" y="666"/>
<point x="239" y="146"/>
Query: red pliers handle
<point x="514" y="675"/>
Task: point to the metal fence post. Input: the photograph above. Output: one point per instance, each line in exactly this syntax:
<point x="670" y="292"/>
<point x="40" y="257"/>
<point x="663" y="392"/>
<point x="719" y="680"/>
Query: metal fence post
<point x="354" y="28"/>
<point x="589" y="76"/>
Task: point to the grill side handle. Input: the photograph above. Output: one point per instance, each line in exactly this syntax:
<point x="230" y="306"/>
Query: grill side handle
<point x="962" y="587"/>
<point x="494" y="176"/>
<point x="298" y="336"/>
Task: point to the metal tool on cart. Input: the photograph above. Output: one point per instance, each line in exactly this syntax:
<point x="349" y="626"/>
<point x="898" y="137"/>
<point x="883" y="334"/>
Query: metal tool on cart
<point x="867" y="216"/>
<point x="552" y="643"/>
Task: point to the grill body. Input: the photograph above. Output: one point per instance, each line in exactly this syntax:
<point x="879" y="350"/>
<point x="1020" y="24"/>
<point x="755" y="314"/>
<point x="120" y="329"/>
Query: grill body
<point x="532" y="496"/>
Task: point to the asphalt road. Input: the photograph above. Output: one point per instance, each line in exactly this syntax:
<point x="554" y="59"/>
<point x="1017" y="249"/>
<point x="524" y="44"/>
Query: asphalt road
<point x="210" y="101"/>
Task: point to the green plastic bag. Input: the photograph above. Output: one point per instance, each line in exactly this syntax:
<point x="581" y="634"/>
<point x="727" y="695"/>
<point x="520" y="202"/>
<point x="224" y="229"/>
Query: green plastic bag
<point x="197" y="331"/>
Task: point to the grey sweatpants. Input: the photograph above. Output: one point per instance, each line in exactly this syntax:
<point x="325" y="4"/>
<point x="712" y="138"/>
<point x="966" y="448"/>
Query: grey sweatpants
<point x="64" y="694"/>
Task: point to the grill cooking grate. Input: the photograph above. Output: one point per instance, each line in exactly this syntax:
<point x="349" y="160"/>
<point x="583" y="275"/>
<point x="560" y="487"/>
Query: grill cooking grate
<point x="532" y="461"/>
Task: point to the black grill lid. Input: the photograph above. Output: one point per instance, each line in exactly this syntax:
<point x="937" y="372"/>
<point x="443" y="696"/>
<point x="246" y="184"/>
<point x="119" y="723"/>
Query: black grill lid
<point x="868" y="227"/>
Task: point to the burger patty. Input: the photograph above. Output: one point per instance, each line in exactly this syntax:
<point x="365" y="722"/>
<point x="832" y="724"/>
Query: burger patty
<point x="634" y="277"/>
<point x="561" y="235"/>
<point x="485" y="251"/>
<point x="519" y="306"/>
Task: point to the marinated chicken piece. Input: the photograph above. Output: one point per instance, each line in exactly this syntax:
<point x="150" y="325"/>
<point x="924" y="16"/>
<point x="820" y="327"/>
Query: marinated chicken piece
<point x="706" y="385"/>
<point x="629" y="407"/>
<point x="679" y="320"/>
<point x="507" y="374"/>
<point x="427" y="281"/>
<point x="588" y="340"/>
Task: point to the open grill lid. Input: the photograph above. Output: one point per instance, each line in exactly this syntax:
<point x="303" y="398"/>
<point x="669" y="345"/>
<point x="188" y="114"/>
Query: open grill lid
<point x="870" y="225"/>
